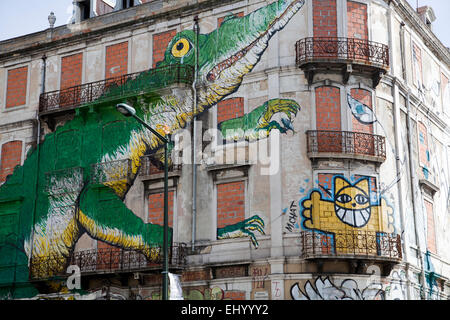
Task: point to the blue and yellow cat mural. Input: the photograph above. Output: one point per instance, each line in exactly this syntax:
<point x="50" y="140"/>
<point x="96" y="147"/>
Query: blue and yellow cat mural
<point x="349" y="209"/>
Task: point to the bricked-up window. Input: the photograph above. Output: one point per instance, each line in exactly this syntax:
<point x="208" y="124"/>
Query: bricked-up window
<point x="328" y="118"/>
<point x="156" y="208"/>
<point x="431" y="235"/>
<point x="357" y="20"/>
<point x="71" y="70"/>
<point x="328" y="108"/>
<point x="222" y="19"/>
<point x="17" y="87"/>
<point x="160" y="43"/>
<point x="230" y="203"/>
<point x="324" y="18"/>
<point x="108" y="256"/>
<point x="364" y="96"/>
<point x="230" y="109"/>
<point x="116" y="60"/>
<point x="11" y="156"/>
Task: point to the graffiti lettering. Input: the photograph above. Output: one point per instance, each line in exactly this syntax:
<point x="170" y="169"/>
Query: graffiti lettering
<point x="292" y="217"/>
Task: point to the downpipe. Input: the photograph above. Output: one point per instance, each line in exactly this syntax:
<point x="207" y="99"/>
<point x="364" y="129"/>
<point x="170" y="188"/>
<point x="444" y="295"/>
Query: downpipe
<point x="414" y="199"/>
<point x="194" y="151"/>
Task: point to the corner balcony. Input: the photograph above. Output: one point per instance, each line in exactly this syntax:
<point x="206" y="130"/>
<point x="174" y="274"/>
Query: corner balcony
<point x="60" y="102"/>
<point x="110" y="261"/>
<point x="346" y="145"/>
<point x="355" y="247"/>
<point x="344" y="56"/>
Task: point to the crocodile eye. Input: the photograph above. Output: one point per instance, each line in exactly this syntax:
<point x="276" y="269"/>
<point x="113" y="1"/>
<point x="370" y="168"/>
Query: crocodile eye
<point x="181" y="48"/>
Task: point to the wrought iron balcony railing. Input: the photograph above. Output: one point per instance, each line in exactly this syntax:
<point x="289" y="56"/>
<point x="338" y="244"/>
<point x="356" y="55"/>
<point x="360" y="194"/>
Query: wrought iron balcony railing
<point x="114" y="88"/>
<point x="346" y="144"/>
<point x="148" y="168"/>
<point x="110" y="260"/>
<point x="349" y="244"/>
<point x="347" y="49"/>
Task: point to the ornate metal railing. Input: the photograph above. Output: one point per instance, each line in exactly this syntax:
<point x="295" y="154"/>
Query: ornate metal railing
<point x="149" y="168"/>
<point x="350" y="243"/>
<point x="333" y="48"/>
<point x="117" y="87"/>
<point x="109" y="260"/>
<point x="346" y="143"/>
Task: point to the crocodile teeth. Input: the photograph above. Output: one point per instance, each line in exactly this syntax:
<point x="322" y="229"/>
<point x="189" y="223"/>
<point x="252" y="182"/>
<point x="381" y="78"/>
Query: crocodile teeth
<point x="355" y="218"/>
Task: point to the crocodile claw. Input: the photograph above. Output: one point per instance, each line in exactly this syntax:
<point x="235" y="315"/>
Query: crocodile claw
<point x="246" y="228"/>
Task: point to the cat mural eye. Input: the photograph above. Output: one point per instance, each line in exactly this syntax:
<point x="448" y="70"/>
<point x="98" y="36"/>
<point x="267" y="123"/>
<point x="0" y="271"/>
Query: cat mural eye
<point x="181" y="48"/>
<point x="361" y="199"/>
<point x="344" y="198"/>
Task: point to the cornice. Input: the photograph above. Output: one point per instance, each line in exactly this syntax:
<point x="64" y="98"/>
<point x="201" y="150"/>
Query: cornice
<point x="410" y="16"/>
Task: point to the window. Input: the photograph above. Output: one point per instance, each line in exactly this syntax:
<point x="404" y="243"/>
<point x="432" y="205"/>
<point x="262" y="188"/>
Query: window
<point x="230" y="203"/>
<point x="11" y="156"/>
<point x="17" y="87"/>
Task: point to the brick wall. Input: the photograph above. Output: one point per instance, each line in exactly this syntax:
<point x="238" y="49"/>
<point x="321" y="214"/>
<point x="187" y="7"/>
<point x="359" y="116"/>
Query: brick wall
<point x="116" y="60"/>
<point x="17" y="87"/>
<point x="156" y="208"/>
<point x="160" y="42"/>
<point x="234" y="295"/>
<point x="11" y="156"/>
<point x="365" y="97"/>
<point x="431" y="236"/>
<point x="328" y="108"/>
<point x="230" y="109"/>
<point x="230" y="203"/>
<point x="324" y="18"/>
<point x="109" y="256"/>
<point x="328" y="118"/>
<point x="357" y="20"/>
<point x="222" y="19"/>
<point x="71" y="70"/>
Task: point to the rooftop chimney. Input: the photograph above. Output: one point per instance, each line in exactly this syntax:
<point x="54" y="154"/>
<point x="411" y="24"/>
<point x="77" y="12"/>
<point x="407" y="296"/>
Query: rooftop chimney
<point x="427" y="15"/>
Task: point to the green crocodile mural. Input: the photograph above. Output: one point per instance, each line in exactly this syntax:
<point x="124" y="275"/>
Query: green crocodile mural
<point x="76" y="180"/>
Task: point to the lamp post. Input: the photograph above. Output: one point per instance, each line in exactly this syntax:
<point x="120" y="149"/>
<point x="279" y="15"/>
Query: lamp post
<point x="128" y="111"/>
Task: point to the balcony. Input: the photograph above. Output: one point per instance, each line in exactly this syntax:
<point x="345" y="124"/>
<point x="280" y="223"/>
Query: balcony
<point x="112" y="89"/>
<point x="352" y="246"/>
<point x="150" y="171"/>
<point x="110" y="261"/>
<point x="342" y="55"/>
<point x="346" y="145"/>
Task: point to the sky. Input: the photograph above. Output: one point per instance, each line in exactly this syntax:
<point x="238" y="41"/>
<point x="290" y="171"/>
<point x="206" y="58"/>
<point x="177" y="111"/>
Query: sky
<point x="28" y="16"/>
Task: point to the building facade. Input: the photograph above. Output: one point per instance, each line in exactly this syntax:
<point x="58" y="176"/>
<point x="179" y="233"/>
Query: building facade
<point x="310" y="155"/>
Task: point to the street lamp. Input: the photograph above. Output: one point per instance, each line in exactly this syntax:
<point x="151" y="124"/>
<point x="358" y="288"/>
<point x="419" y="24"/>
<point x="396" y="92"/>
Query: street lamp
<point x="129" y="111"/>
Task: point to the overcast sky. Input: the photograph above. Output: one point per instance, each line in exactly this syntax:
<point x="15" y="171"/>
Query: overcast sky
<point x="27" y="16"/>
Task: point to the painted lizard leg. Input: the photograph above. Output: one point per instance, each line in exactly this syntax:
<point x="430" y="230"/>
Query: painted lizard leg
<point x="105" y="217"/>
<point x="273" y="114"/>
<point x="246" y="228"/>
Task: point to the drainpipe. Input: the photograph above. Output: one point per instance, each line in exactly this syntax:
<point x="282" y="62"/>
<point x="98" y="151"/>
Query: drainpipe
<point x="413" y="189"/>
<point x="194" y="164"/>
<point x="38" y="151"/>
